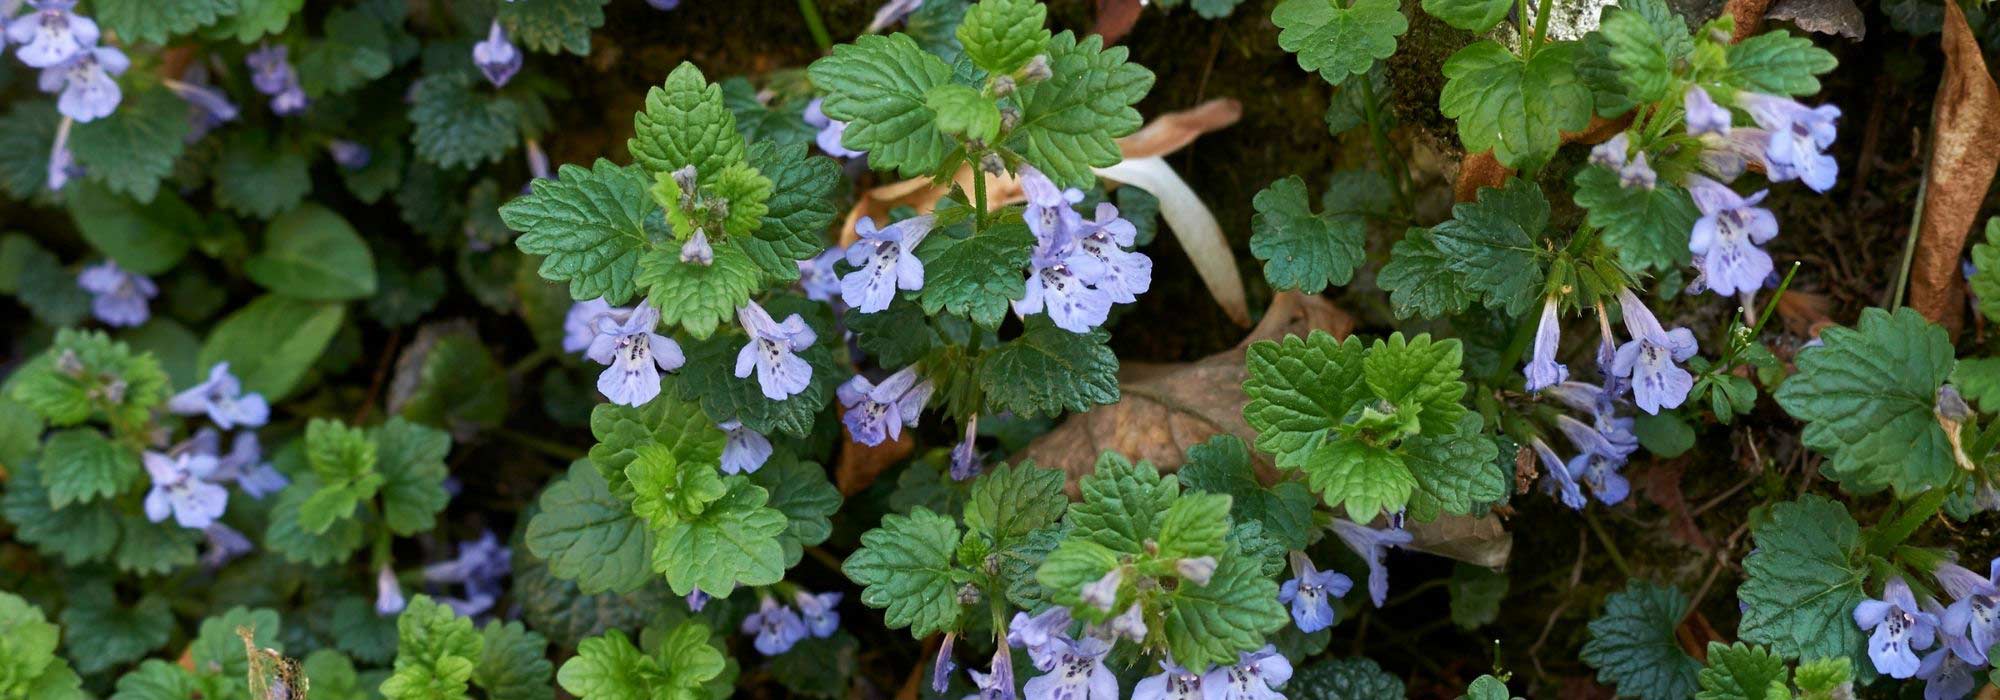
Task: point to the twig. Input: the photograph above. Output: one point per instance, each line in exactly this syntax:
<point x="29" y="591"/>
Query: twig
<point x="1910" y="244"/>
<point x="381" y="374"/>
<point x="1719" y="498"/>
<point x="552" y="449"/>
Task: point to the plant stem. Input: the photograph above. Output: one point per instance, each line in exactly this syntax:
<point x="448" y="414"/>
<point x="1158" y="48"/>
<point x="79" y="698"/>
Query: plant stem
<point x="1521" y="23"/>
<point x="978" y="198"/>
<point x="1919" y="510"/>
<point x="1383" y="150"/>
<point x="810" y="10"/>
<point x="1542" y="12"/>
<point x="1910" y="244"/>
<point x="547" y="447"/>
<point x="1610" y="548"/>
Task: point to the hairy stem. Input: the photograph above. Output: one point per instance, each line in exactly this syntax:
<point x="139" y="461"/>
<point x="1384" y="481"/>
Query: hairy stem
<point x="810" y="10"/>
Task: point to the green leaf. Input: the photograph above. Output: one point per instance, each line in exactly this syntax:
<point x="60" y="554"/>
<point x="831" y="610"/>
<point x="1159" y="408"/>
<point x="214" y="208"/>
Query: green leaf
<point x="1985" y="280"/>
<point x="556" y="608"/>
<point x="1336" y="40"/>
<point x="1456" y="474"/>
<point x="459" y="125"/>
<point x="1867" y="398"/>
<point x="271" y="342"/>
<point x="82" y="465"/>
<point x="1195" y="525"/>
<point x="801" y="491"/>
<point x="436" y="651"/>
<point x="132" y="150"/>
<point x="1354" y="678"/>
<point x="669" y="492"/>
<point x="332" y="676"/>
<point x="1517" y="109"/>
<point x="877" y="85"/>
<point x="218" y="649"/>
<point x="622" y="430"/>
<point x="459" y="386"/>
<point x="1070" y="122"/>
<point x="26" y="133"/>
<point x="1494" y="245"/>
<point x="977" y="276"/>
<point x="1302" y="250"/>
<point x="75" y="535"/>
<point x="1645" y="52"/>
<point x="513" y="664"/>
<point x="819" y="667"/>
<point x="799" y="211"/>
<point x="311" y="253"/>
<point x="1234" y="613"/>
<point x="1801" y="582"/>
<point x="1420" y="279"/>
<point x="1000" y="36"/>
<point x="258" y="178"/>
<point x="1666" y="434"/>
<point x="1418" y="375"/>
<point x="608" y="668"/>
<point x="1048" y="370"/>
<point x="153" y="21"/>
<point x="103" y="634"/>
<point x="699" y="298"/>
<point x="256" y="18"/>
<point x="1075" y="564"/>
<point x="107" y="369"/>
<point x="1488" y="688"/>
<point x="147" y="239"/>
<point x="1741" y="672"/>
<point x="1366" y="479"/>
<point x="411" y="460"/>
<point x="155" y="680"/>
<point x="963" y="112"/>
<point x="1778" y="63"/>
<point x="587" y="535"/>
<point x="1222" y="465"/>
<point x="733" y="543"/>
<point x="1300" y="390"/>
<point x="1476" y="16"/>
<point x="589" y="224"/>
<point x="1122" y="504"/>
<point x="1476" y="592"/>
<point x="354" y="52"/>
<point x="1009" y="502"/>
<point x="685" y="123"/>
<point x="29" y="666"/>
<point x="1826" y="679"/>
<point x="905" y="567"/>
<point x="1648" y="227"/>
<point x="553" y="25"/>
<point x="289" y="537"/>
<point x="1632" y="644"/>
<point x="710" y="375"/>
<point x="344" y="460"/>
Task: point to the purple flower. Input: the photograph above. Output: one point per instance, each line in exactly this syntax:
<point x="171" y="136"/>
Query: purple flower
<point x="118" y="297"/>
<point x="1900" y="628"/>
<point x="271" y="73"/>
<point x="1636" y="174"/>
<point x="211" y="107"/>
<point x="1125" y="274"/>
<point x="1543" y="369"/>
<point x="221" y="397"/>
<point x="1727" y="236"/>
<point x="243" y="464"/>
<point x="1798" y="138"/>
<point x="1599" y="459"/>
<point x="745" y="451"/>
<point x="1559" y="477"/>
<point x="664" y="5"/>
<point x="634" y="356"/>
<point x="580" y="324"/>
<point x="1103" y="593"/>
<point x="1040" y="634"/>
<point x="497" y="57"/>
<point x="348" y="154"/>
<point x="891" y="12"/>
<point x="1704" y="116"/>
<point x="1078" y="673"/>
<point x="697" y="599"/>
<point x="818" y="613"/>
<point x="1311" y="593"/>
<point x="697" y="250"/>
<point x="1131" y="624"/>
<point x="88" y="92"/>
<point x="965" y="455"/>
<point x="997" y="684"/>
<point x="1061" y="275"/>
<point x="1946" y="677"/>
<point x="1372" y="544"/>
<point x="816" y="275"/>
<point x="1611" y="153"/>
<point x="388" y="592"/>
<point x="1971" y="624"/>
<point x="62" y="163"/>
<point x="181" y="489"/>
<point x="538" y="163"/>
<point x="885" y="260"/>
<point x="777" y="627"/>
<point x="1651" y="358"/>
<point x="1172" y="683"/>
<point x="942" y="668"/>
<point x="224" y="544"/>
<point x="1254" y="677"/>
<point x="51" y="34"/>
<point x="876" y="412"/>
<point x="830" y="132"/>
<point x="780" y="373"/>
<point x="480" y="566"/>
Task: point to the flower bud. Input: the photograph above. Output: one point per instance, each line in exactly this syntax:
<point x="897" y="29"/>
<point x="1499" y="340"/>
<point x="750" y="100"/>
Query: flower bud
<point x="1037" y="70"/>
<point x="1197" y="570"/>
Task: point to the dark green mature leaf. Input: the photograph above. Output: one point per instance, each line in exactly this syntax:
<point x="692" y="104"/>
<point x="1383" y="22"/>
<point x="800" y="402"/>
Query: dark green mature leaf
<point x="1353" y="678"/>
<point x="1300" y="389"/>
<point x="1302" y="250"/>
<point x="978" y="276"/>
<point x="74" y="535"/>
<point x="799" y="211"/>
<point x="1234" y="613"/>
<point x="254" y="19"/>
<point x="685" y="123"/>
<point x="710" y="375"/>
<point x="553" y="25"/>
<point x="270" y="343"/>
<point x="1648" y="226"/>
<point x="555" y="607"/>
<point x="259" y="178"/>
<point x="1000" y="36"/>
<point x="459" y="386"/>
<point x="1048" y="370"/>
<point x="1476" y="16"/>
<point x="81" y="465"/>
<point x="410" y="458"/>
<point x="590" y="536"/>
<point x="1069" y="122"/>
<point x="39" y="280"/>
<point x="25" y="134"/>
<point x="1742" y="672"/>
<point x="102" y="633"/>
<point x="155" y="680"/>
<point x="1456" y="474"/>
<point x="146" y="238"/>
<point x="435" y="653"/>
<point x="801" y="491"/>
<point x="1801" y="582"/>
<point x="877" y="85"/>
<point x="132" y="150"/>
<point x="819" y="667"/>
<point x="1009" y="502"/>
<point x="312" y="253"/>
<point x="218" y="649"/>
<point x="590" y="226"/>
<point x="1222" y="465"/>
<point x="1420" y="279"/>
<point x="513" y="663"/>
<point x="1985" y="280"/>
<point x="1476" y="592"/>
<point x="1337" y="39"/>
<point x="289" y="537"/>
<point x="1779" y="63"/>
<point x="1494" y="244"/>
<point x="699" y="298"/>
<point x="1632" y="644"/>
<point x="1517" y="109"/>
<point x="460" y="126"/>
<point x="153" y="21"/>
<point x="1867" y="398"/>
<point x="354" y="51"/>
<point x="905" y="567"/>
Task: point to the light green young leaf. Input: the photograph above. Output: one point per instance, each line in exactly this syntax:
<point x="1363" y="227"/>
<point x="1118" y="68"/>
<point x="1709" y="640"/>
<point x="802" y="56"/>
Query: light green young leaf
<point x="1122" y="504"/>
<point x="699" y="298"/>
<point x="1365" y="479"/>
<point x="877" y="85"/>
<point x="1867" y="398"/>
<point x="622" y="430"/>
<point x="685" y="123"/>
<point x="288" y="536"/>
<point x="668" y="492"/>
<point x="1195" y="525"/>
<point x="589" y="224"/>
<point x="1779" y="63"/>
<point x="1457" y="474"/>
<point x="312" y="253"/>
<point x="1300" y="390"/>
<point x="975" y="277"/>
<point x="965" y="113"/>
<point x="154" y="679"/>
<point x="1632" y="644"/>
<point x="1000" y="36"/>
<point x="1742" y="672"/>
<point x="733" y="543"/>
<point x="1234" y="613"/>
<point x="1418" y="375"/>
<point x="1517" y="109"/>
<point x="905" y="567"/>
<point x="410" y="458"/>
<point x="587" y="535"/>
<point x="1075" y="564"/>
<point x="1070" y="122"/>
<point x="1645" y="51"/>
<point x="1339" y="40"/>
<point x="1801" y="582"/>
<point x="436" y="651"/>
<point x="29" y="666"/>
<point x="513" y="663"/>
<point x="1302" y="250"/>
<point x="1011" y="501"/>
<point x="1048" y="370"/>
<point x="1985" y="280"/>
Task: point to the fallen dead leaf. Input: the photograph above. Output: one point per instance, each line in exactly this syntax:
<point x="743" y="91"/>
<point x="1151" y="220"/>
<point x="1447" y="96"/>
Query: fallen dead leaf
<point x="1482" y="541"/>
<point x="1965" y="149"/>
<point x="1115" y="18"/>
<point x="1834" y="17"/>
<point x="1749" y="16"/>
<point x="1661" y="484"/>
<point x="860" y="464"/>
<point x="1483" y="170"/>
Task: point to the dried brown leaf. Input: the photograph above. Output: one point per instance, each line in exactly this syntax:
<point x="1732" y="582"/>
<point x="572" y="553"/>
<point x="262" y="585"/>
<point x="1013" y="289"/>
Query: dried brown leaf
<point x="1965" y="149"/>
<point x="1835" y="17"/>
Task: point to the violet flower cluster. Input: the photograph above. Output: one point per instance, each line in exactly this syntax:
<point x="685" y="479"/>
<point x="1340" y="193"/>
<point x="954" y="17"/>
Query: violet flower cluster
<point x="271" y="72"/>
<point x="1073" y="667"/>
<point x="1079" y="268"/>
<point x="1953" y="639"/>
<point x="62" y="44"/>
<point x="777" y="627"/>
<point x="188" y="479"/>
